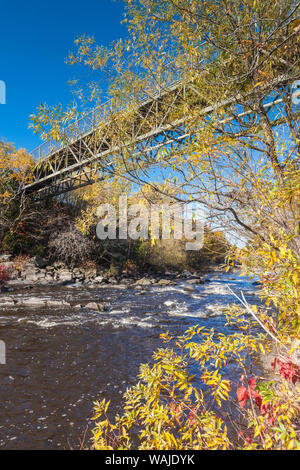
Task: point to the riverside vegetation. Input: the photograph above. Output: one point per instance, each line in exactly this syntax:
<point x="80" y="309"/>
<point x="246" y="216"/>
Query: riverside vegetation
<point x="242" y="165"/>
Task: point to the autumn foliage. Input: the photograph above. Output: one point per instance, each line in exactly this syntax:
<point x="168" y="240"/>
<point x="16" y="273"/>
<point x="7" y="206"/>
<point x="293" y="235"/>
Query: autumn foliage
<point x="4" y="274"/>
<point x="287" y="369"/>
<point x="171" y="410"/>
<point x="15" y="170"/>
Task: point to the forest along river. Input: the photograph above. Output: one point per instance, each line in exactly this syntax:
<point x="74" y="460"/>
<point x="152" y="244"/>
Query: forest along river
<point x="60" y="360"/>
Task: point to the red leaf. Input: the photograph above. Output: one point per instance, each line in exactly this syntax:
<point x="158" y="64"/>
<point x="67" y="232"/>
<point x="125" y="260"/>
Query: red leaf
<point x="252" y="383"/>
<point x="273" y="363"/>
<point x="252" y="386"/>
<point x="242" y="395"/>
<point x="258" y="401"/>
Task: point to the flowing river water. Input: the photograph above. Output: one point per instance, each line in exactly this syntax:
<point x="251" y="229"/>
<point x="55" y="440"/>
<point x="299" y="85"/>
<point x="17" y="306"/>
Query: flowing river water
<point x="61" y="359"/>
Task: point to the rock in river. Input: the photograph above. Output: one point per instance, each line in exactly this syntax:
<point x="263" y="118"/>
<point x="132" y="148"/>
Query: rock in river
<point x="166" y="282"/>
<point x="38" y="302"/>
<point x="189" y="289"/>
<point x="6" y="302"/>
<point x="195" y="281"/>
<point x="97" y="307"/>
<point x="170" y="303"/>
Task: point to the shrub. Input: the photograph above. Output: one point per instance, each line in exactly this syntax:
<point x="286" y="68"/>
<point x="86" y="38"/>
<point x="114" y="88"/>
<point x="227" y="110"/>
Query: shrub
<point x="88" y="265"/>
<point x="70" y="246"/>
<point x="9" y="242"/>
<point x="168" y="254"/>
<point x="170" y="410"/>
<point x="38" y="250"/>
<point x="20" y="261"/>
<point x="130" y="267"/>
<point x="5" y="274"/>
<point x="113" y="270"/>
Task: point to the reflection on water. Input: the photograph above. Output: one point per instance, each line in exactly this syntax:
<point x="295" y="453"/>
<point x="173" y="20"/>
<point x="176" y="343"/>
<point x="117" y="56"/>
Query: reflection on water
<point x="60" y="360"/>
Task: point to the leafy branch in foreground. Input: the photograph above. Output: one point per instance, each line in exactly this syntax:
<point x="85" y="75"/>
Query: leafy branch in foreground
<point x="170" y="408"/>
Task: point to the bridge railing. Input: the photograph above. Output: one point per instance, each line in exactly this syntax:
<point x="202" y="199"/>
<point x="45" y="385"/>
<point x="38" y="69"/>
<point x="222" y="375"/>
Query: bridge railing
<point x="80" y="125"/>
<point x="88" y="122"/>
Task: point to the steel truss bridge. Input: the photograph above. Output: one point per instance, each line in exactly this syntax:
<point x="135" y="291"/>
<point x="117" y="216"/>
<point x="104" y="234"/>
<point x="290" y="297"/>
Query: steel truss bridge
<point x="89" y="143"/>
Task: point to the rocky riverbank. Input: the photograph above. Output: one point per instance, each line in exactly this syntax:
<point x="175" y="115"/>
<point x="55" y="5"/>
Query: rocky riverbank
<point x="37" y="270"/>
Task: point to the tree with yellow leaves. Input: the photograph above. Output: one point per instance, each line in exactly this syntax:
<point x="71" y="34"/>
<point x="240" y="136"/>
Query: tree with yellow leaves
<point x="15" y="171"/>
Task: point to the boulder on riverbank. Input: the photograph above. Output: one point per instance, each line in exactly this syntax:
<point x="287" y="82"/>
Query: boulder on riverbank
<point x="39" y="262"/>
<point x="4" y="258"/>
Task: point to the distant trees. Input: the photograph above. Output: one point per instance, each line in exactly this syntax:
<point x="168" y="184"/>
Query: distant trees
<point x="25" y="224"/>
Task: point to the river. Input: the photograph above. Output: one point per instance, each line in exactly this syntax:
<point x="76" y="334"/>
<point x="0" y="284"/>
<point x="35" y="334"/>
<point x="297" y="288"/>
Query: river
<point x="60" y="360"/>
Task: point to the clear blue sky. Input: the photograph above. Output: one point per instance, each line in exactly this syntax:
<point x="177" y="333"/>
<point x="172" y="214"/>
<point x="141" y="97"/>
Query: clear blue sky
<point x="35" y="38"/>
